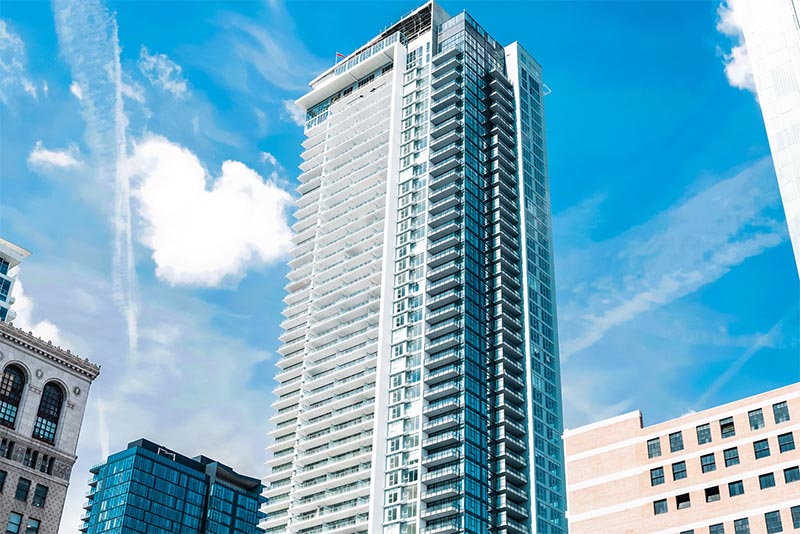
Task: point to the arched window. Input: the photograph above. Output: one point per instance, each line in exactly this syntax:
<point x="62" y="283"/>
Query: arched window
<point x="49" y="413"/>
<point x="11" y="386"/>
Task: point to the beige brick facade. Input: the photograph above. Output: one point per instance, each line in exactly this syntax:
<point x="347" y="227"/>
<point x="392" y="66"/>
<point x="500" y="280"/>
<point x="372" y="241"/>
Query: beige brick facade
<point x="615" y="484"/>
<point x="23" y="457"/>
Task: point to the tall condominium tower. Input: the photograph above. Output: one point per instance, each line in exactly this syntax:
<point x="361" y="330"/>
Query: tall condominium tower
<point x="10" y="256"/>
<point x="419" y="384"/>
<point x="772" y="34"/>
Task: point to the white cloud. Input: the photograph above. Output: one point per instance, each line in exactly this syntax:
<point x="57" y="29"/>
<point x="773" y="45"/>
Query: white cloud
<point x="44" y="158"/>
<point x="201" y="235"/>
<point x="268" y="158"/>
<point x="163" y="72"/>
<point x="293" y="113"/>
<point x="24" y="307"/>
<point x="13" y="71"/>
<point x="76" y="90"/>
<point x="737" y="63"/>
<point x="680" y="250"/>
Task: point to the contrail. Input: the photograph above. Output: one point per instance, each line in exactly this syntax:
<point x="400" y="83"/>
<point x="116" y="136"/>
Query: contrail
<point x="88" y="39"/>
<point x="734" y="369"/>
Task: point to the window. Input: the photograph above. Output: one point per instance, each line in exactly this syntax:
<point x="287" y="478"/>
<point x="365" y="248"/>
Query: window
<point x="676" y="442"/>
<point x="726" y="427"/>
<point x="735" y="488"/>
<point x="2" y="480"/>
<point x="761" y="448"/>
<point x="14" y="522"/>
<point x="23" y="486"/>
<point x="773" y="520"/>
<point x="657" y="476"/>
<point x="12" y="383"/>
<point x="781" y="412"/>
<point x="707" y="463"/>
<point x="683" y="501"/>
<point x="703" y="434"/>
<point x="791" y="474"/>
<point x="731" y="456"/>
<point x="39" y="496"/>
<point x="756" y="419"/>
<point x="687" y="531"/>
<point x="712" y="494"/>
<point x="741" y="526"/>
<point x="678" y="470"/>
<point x="719" y="528"/>
<point x="795" y="516"/>
<point x="786" y="442"/>
<point x="653" y="448"/>
<point x="660" y="507"/>
<point x="32" y="527"/>
<point x="766" y="481"/>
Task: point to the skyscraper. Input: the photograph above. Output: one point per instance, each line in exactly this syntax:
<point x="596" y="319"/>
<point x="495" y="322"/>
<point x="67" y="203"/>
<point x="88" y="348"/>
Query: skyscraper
<point x="10" y="256"/>
<point x="148" y="488"/>
<point x="419" y="381"/>
<point x="43" y="392"/>
<point x="772" y="35"/>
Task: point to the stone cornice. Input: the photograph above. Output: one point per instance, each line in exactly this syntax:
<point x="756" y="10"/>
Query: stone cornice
<point x="48" y="350"/>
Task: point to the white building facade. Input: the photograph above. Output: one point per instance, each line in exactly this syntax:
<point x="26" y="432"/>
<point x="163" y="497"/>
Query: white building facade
<point x="772" y="35"/>
<point x="419" y="387"/>
<point x="10" y="256"/>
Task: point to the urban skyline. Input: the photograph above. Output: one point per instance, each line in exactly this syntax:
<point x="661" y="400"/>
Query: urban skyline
<point x="638" y="293"/>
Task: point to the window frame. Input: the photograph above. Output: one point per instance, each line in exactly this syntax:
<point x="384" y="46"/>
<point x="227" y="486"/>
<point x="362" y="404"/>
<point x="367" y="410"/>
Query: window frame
<point x="783" y="406"/>
<point x="676" y="444"/>
<point x="771" y="528"/>
<point x="657" y="507"/>
<point x="707" y="466"/>
<point x="781" y="444"/>
<point x="703" y="434"/>
<point x="756" y="416"/>
<point x="766" y="481"/>
<point x="727" y="427"/>
<point x="731" y="460"/>
<point x="759" y="452"/>
<point x="739" y="485"/>
<point x="674" y="473"/>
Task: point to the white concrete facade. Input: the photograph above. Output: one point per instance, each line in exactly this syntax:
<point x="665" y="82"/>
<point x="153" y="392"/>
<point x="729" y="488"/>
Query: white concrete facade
<point x="772" y="35"/>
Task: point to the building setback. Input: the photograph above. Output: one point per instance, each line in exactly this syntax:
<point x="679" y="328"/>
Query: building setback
<point x="731" y="469"/>
<point x="43" y="391"/>
<point x="772" y="35"/>
<point x="419" y="389"/>
<point x="10" y="256"/>
<point x="150" y="489"/>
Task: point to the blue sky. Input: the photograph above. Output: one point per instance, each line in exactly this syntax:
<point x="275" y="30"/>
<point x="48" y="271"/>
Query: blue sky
<point x="148" y="158"/>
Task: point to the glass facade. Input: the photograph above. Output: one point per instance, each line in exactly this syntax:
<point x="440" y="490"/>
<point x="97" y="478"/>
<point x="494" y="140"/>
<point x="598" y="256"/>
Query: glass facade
<point x="439" y="411"/>
<point x="147" y="489"/>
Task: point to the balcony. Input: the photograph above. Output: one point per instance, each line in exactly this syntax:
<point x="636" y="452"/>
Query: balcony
<point x="442" y="475"/>
<point x="446" y="164"/>
<point x="441" y="407"/>
<point x="435" y="361"/>
<point x="443" y="491"/>
<point x="445" y="152"/>
<point x="442" y="423"/>
<point x="443" y="390"/>
<point x="446" y="76"/>
<point x="444" y="373"/>
<point x="441" y="457"/>
<point x="447" y="112"/>
<point x="449" y="527"/>
<point x="440" y="511"/>
<point x="439" y="258"/>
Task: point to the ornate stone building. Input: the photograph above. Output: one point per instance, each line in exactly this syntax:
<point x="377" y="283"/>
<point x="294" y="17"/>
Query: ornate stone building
<point x="43" y="390"/>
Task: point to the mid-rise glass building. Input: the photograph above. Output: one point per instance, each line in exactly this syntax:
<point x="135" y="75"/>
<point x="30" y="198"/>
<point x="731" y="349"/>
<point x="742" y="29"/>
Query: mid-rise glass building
<point x="150" y="489"/>
<point x="10" y="256"/>
<point x="419" y="389"/>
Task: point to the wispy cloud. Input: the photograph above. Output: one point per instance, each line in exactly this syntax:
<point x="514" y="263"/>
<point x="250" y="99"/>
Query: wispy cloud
<point x="163" y="73"/>
<point x="210" y="235"/>
<point x="737" y="62"/>
<point x="682" y="249"/>
<point x="88" y="39"/>
<point x="293" y="113"/>
<point x="24" y="307"/>
<point x="14" y="77"/>
<point x="45" y="158"/>
<point x="764" y="340"/>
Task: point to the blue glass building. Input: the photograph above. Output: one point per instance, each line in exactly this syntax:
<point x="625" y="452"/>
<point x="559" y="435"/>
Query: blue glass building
<point x="150" y="489"/>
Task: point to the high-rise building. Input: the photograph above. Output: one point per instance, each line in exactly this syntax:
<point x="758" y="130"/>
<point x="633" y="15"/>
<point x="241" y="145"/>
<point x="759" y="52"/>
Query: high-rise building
<point x="43" y="391"/>
<point x="419" y="388"/>
<point x="10" y="256"/>
<point x="731" y="469"/>
<point x="772" y="35"/>
<point x="148" y="488"/>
